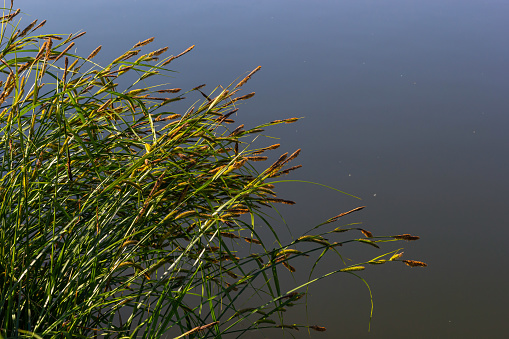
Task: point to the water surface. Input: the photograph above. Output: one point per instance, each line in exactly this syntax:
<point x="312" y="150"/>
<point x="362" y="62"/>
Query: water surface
<point x="405" y="105"/>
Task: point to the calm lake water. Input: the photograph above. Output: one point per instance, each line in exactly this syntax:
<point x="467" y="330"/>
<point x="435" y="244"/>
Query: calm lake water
<point x="405" y="104"/>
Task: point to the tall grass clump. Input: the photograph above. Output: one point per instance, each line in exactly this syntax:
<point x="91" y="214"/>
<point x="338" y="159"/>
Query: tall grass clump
<point x="122" y="218"/>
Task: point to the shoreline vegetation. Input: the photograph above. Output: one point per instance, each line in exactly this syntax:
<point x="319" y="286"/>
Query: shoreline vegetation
<point x="121" y="218"/>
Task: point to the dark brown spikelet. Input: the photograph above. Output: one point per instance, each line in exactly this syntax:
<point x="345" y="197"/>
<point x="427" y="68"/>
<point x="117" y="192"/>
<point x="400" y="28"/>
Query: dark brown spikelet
<point x="239" y="163"/>
<point x="64" y="51"/>
<point x="257" y="158"/>
<point x="155" y="98"/>
<point x="278" y="166"/>
<point x="289" y="267"/>
<point x="253" y="241"/>
<point x="231" y="274"/>
<point x="94" y="52"/>
<point x="158" y="52"/>
<point x="21" y="68"/>
<point x="367" y="234"/>
<point x="271" y="147"/>
<point x="86" y="89"/>
<point x="77" y="36"/>
<point x="290" y="120"/>
<point x="281" y="258"/>
<point x="244" y="97"/>
<point x="66" y="65"/>
<point x="414" y="263"/>
<point x="226" y="116"/>
<point x="227" y="257"/>
<point x="199" y="328"/>
<point x="49" y="43"/>
<point x="28" y="28"/>
<point x="229" y="235"/>
<point x="144" y="42"/>
<point x="198" y="87"/>
<point x="236" y="131"/>
<point x="282" y="201"/>
<point x="40" y="25"/>
<point x="293" y="156"/>
<point x="169" y="90"/>
<point x="345" y="213"/>
<point x="54" y="37"/>
<point x="178" y="56"/>
<point x="170" y="117"/>
<point x="9" y="17"/>
<point x="318" y="328"/>
<point x="240" y="84"/>
<point x="255" y="130"/>
<point x="126" y="56"/>
<point x="406" y="237"/>
<point x="278" y="162"/>
<point x="286" y="171"/>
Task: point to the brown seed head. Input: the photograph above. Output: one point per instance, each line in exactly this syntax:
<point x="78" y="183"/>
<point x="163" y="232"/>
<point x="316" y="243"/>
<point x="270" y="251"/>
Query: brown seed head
<point x="292" y="156"/>
<point x="77" y="36"/>
<point x="253" y="241"/>
<point x="286" y="171"/>
<point x="170" y="90"/>
<point x="406" y="237"/>
<point x="414" y="263"/>
<point x="271" y="147"/>
<point x="278" y="162"/>
<point x="49" y="43"/>
<point x="345" y="213"/>
<point x="244" y="97"/>
<point x="157" y="52"/>
<point x="367" y="234"/>
<point x="282" y="201"/>
<point x="94" y="52"/>
<point x="290" y="120"/>
<point x="64" y="51"/>
<point x="40" y="25"/>
<point x="229" y="235"/>
<point x="28" y="28"/>
<point x="11" y="16"/>
<point x="144" y="42"/>
<point x="318" y="328"/>
<point x="289" y="267"/>
<point x="231" y="274"/>
<point x="248" y="77"/>
<point x="178" y="56"/>
<point x="237" y="130"/>
<point x="239" y="163"/>
<point x="257" y="158"/>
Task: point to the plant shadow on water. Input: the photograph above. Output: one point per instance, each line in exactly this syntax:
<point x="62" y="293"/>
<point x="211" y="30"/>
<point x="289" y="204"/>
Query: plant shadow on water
<point x="123" y="218"/>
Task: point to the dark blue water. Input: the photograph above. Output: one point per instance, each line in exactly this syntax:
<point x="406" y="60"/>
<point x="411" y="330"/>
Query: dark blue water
<point x="405" y="104"/>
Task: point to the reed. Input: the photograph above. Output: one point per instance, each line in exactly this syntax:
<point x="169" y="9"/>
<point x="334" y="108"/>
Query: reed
<point x="115" y="222"/>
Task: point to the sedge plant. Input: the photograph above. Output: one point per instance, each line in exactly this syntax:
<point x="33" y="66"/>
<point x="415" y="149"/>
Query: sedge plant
<point x="122" y="218"/>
